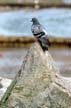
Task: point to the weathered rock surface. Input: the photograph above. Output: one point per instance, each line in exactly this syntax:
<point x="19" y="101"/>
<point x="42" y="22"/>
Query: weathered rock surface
<point x="4" y="84"/>
<point x="38" y="84"/>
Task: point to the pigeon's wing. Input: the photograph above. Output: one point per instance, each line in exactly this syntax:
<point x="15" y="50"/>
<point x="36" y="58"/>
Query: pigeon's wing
<point x="37" y="29"/>
<point x="43" y="42"/>
<point x="44" y="39"/>
<point x="43" y="29"/>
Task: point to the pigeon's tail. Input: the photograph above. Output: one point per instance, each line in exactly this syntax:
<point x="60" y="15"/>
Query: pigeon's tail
<point x="43" y="43"/>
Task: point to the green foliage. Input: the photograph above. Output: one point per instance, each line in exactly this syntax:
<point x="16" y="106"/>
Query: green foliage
<point x="8" y="1"/>
<point x="15" y="1"/>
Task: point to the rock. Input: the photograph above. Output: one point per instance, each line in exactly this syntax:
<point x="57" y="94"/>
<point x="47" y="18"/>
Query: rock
<point x="4" y="84"/>
<point x="38" y="84"/>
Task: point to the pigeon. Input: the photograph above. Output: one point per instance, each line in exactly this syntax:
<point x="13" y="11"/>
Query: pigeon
<point x="40" y="33"/>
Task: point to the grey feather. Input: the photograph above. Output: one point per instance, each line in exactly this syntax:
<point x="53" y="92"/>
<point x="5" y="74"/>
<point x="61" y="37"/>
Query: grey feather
<point x="40" y="33"/>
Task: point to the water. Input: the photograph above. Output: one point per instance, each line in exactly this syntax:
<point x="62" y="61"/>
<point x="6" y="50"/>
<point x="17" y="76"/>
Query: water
<point x="62" y="58"/>
<point x="18" y="23"/>
<point x="11" y="60"/>
<point x="67" y="1"/>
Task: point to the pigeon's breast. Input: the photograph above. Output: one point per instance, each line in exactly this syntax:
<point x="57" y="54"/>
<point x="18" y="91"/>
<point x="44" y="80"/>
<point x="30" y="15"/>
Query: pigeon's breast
<point x="36" y="29"/>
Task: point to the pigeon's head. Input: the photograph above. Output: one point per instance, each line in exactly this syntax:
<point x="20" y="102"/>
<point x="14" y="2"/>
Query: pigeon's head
<point x="35" y="21"/>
